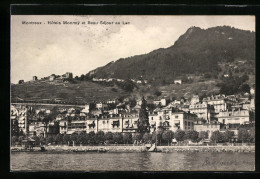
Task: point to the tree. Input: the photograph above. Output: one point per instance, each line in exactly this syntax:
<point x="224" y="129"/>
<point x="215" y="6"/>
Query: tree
<point x="207" y="75"/>
<point x="21" y="133"/>
<point x="245" y="88"/>
<point x="50" y="139"/>
<point x="157" y="93"/>
<point x="91" y="137"/>
<point x="147" y="137"/>
<point x="82" y="138"/>
<point x="191" y="135"/>
<point x="179" y="135"/>
<point x="108" y="137"/>
<point x="15" y="128"/>
<point x="252" y="135"/>
<point x="20" y="139"/>
<point x="66" y="139"/>
<point x="168" y="136"/>
<point x="137" y="137"/>
<point x="118" y="138"/>
<point x="82" y="77"/>
<point x="127" y="137"/>
<point x="58" y="139"/>
<point x="46" y="121"/>
<point x="187" y="135"/>
<point x="243" y="135"/>
<point x="37" y="140"/>
<point x="203" y="135"/>
<point x="143" y="121"/>
<point x="54" y="112"/>
<point x="132" y="103"/>
<point x="99" y="137"/>
<point x="74" y="138"/>
<point x="20" y="81"/>
<point x="244" y="78"/>
<point x="228" y="135"/>
<point x="216" y="137"/>
<point x="14" y="140"/>
<point x="42" y="140"/>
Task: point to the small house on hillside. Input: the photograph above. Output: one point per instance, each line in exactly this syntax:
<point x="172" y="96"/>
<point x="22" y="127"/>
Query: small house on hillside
<point x="35" y="78"/>
<point x="52" y="77"/>
<point x="178" y="81"/>
<point x="21" y="82"/>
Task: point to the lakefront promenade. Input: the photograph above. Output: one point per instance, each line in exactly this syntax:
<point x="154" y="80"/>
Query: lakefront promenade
<point x="63" y="148"/>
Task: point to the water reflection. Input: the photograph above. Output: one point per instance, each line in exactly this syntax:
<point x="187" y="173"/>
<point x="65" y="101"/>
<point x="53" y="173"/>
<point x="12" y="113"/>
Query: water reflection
<point x="133" y="161"/>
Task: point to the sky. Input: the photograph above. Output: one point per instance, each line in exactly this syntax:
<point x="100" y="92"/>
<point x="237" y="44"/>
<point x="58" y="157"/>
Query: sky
<point x="44" y="49"/>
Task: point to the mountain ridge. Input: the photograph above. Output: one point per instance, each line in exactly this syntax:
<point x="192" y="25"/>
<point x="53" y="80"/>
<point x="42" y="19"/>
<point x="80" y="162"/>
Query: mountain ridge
<point x="197" y="51"/>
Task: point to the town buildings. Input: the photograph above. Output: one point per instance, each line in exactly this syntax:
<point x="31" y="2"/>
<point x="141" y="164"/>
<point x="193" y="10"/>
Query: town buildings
<point x="218" y="102"/>
<point x="19" y="113"/>
<point x="234" y="117"/>
<point x="161" y="102"/>
<point x="202" y="110"/>
<point x="213" y="113"/>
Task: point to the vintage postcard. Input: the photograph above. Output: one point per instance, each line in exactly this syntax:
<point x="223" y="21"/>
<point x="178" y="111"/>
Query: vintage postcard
<point x="132" y="93"/>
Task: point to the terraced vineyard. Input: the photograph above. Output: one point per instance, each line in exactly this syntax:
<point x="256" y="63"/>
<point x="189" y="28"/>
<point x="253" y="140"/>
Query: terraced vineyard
<point x="81" y="92"/>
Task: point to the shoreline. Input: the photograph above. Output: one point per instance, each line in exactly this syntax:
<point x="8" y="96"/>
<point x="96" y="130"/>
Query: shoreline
<point x="136" y="149"/>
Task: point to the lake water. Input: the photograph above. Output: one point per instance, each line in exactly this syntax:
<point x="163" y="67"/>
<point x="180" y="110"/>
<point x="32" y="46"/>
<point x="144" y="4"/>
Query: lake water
<point x="145" y="161"/>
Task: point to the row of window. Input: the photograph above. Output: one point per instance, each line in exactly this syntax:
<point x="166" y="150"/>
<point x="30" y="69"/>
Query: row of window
<point x="188" y="123"/>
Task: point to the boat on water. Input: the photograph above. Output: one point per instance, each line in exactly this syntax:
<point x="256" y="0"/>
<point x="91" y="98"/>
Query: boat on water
<point x="102" y="150"/>
<point x="154" y="149"/>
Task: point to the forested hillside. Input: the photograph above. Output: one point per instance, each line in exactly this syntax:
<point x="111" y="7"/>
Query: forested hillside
<point x="198" y="51"/>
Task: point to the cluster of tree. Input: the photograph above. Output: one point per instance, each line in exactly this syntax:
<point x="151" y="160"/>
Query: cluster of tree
<point x="83" y="78"/>
<point x="193" y="136"/>
<point x="82" y="138"/>
<point x="244" y="135"/>
<point x="163" y="137"/>
<point x="234" y="85"/>
<point x="157" y="93"/>
<point x="127" y="85"/>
